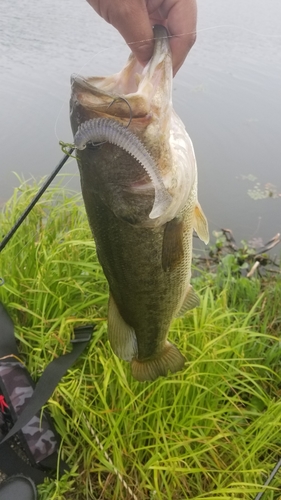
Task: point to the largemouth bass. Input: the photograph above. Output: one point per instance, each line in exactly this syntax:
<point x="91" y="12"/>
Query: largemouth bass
<point x="139" y="184"/>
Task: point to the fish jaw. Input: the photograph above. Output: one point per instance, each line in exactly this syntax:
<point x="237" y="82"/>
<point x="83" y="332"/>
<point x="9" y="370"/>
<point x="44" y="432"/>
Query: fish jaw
<point x="137" y="97"/>
<point x="136" y="91"/>
<point x="141" y="102"/>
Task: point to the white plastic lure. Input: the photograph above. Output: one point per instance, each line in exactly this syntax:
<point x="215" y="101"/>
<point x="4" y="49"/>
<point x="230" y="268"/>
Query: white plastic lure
<point x="105" y="129"/>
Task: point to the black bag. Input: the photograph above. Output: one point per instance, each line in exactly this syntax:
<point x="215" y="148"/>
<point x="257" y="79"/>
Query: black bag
<point x="21" y="402"/>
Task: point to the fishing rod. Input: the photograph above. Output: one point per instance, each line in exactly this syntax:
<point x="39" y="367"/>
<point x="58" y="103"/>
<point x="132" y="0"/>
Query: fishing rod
<point x="41" y="191"/>
<point x="269" y="479"/>
<point x="4" y="242"/>
<point x="18" y="223"/>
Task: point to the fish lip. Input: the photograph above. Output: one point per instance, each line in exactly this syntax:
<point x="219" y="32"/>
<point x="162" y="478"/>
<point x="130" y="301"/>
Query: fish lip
<point x="83" y="84"/>
<point x="75" y="78"/>
<point x="161" y="49"/>
<point x="160" y="31"/>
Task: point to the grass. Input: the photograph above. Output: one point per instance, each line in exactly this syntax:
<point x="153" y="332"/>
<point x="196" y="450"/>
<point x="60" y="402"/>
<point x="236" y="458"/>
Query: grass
<point x="210" y="432"/>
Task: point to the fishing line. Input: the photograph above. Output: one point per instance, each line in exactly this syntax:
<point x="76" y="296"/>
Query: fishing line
<point x="236" y="26"/>
<point x="124" y="44"/>
<point x="58" y="168"/>
<point x="201" y="30"/>
<point x="66" y="101"/>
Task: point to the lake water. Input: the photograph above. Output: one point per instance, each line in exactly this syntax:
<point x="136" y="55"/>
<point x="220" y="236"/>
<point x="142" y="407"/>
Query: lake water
<point x="228" y="94"/>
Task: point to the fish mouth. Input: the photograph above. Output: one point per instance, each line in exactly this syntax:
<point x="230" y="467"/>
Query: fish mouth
<point x="137" y="85"/>
<point x="130" y="110"/>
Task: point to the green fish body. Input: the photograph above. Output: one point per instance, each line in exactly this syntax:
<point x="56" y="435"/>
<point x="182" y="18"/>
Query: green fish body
<point x="142" y="219"/>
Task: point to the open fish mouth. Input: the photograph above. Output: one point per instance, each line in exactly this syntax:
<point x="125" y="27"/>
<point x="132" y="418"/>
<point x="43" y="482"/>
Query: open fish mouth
<point x="106" y="128"/>
<point x="132" y="81"/>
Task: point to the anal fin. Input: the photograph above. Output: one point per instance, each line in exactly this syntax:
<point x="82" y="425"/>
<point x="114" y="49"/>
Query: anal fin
<point x="169" y="359"/>
<point x="191" y="300"/>
<point x="121" y="336"/>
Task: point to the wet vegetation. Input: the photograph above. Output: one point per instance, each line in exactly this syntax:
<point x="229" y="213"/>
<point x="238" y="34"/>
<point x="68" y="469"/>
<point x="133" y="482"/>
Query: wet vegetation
<point x="210" y="432"/>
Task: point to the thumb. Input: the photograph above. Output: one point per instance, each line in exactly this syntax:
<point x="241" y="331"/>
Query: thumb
<point x="132" y="22"/>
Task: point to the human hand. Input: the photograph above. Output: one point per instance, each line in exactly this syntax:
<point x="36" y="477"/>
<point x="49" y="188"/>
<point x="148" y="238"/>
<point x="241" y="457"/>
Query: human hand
<point x="134" y="20"/>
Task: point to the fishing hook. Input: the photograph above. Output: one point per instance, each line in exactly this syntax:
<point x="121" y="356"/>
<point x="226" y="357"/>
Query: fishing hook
<point x="129" y="106"/>
<point x="95" y="145"/>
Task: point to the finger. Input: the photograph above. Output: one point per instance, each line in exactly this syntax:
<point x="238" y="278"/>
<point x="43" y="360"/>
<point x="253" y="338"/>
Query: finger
<point x="181" y="18"/>
<point x="132" y="21"/>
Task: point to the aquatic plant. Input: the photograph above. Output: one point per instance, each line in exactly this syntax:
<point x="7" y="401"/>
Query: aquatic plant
<point x="260" y="191"/>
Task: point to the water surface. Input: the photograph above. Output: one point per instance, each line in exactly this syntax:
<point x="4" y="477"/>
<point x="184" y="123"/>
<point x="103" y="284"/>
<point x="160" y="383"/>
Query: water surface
<point x="228" y="94"/>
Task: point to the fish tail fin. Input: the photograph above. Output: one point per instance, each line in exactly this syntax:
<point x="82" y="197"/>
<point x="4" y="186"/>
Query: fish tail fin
<point x="169" y="359"/>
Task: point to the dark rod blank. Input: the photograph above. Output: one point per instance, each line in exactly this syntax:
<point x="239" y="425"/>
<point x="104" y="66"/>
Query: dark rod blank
<point x="35" y="199"/>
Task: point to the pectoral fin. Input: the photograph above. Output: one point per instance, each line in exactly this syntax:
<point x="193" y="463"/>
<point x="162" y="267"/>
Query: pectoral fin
<point x="121" y="336"/>
<point x="191" y="300"/>
<point x="172" y="247"/>
<point x="201" y="224"/>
